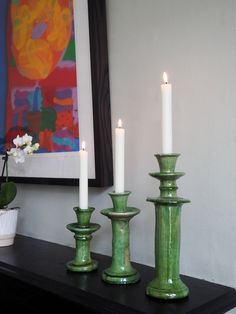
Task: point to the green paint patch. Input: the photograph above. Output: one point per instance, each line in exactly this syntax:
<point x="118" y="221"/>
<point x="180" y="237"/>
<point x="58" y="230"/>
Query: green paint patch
<point x="12" y="62"/>
<point x="14" y="2"/>
<point x="16" y="22"/>
<point x="48" y="119"/>
<point x="70" y="51"/>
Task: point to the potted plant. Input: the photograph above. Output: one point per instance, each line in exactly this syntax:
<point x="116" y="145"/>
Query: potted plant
<point x="8" y="190"/>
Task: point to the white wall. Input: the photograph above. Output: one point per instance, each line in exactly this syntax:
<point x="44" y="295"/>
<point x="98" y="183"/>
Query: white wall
<point x="195" y="42"/>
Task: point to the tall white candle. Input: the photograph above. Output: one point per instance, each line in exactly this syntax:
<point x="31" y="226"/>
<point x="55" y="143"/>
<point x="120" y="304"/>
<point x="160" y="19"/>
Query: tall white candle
<point x="166" y="92"/>
<point x="83" y="180"/>
<point x="119" y="158"/>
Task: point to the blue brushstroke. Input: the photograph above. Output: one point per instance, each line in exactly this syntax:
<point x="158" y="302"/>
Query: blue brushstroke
<point x="21" y="102"/>
<point x="24" y="120"/>
<point x="60" y="108"/>
<point x="15" y="119"/>
<point x="38" y="30"/>
<point x="71" y="143"/>
<point x="3" y="66"/>
<point x="35" y="99"/>
<point x="64" y="93"/>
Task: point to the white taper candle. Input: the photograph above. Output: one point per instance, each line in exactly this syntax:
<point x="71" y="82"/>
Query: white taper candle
<point x="83" y="180"/>
<point x="119" y="157"/>
<point x="166" y="92"/>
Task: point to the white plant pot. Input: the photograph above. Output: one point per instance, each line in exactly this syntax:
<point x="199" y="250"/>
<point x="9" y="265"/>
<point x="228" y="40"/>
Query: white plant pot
<point x="8" y="223"/>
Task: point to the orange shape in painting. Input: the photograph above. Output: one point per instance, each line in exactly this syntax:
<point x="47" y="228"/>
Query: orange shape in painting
<point x="41" y="30"/>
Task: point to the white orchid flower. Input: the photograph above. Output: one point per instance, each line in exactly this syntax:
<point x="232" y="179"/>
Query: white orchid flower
<point x="18" y="141"/>
<point x="35" y="147"/>
<point x="12" y="152"/>
<point x="28" y="150"/>
<point x="27" y="139"/>
<point x="23" y="147"/>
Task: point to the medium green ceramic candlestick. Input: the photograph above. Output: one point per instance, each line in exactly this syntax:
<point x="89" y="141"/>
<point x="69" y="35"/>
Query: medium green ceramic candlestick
<point x="83" y="230"/>
<point x="121" y="270"/>
<point x="167" y="283"/>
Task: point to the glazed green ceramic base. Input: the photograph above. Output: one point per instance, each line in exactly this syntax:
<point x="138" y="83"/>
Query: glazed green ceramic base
<point x="175" y="290"/>
<point x="121" y="271"/>
<point x="82" y="268"/>
<point x="83" y="230"/>
<point x="120" y="279"/>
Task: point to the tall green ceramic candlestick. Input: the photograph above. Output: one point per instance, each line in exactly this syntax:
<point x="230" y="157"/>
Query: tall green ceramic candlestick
<point x="121" y="270"/>
<point x="83" y="230"/>
<point x="167" y="283"/>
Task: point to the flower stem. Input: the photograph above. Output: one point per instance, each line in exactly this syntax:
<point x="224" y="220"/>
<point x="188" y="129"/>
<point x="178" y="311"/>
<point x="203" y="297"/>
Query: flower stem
<point x="3" y="167"/>
<point x="6" y="167"/>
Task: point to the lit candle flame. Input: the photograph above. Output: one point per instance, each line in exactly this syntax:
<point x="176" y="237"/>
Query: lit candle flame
<point x="83" y="145"/>
<point x="165" y="78"/>
<point x="120" y="123"/>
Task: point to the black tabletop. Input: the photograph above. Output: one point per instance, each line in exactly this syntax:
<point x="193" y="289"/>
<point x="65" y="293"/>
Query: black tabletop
<point x="42" y="265"/>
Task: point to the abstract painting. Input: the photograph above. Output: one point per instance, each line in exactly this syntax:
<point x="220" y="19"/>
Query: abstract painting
<point x="42" y="99"/>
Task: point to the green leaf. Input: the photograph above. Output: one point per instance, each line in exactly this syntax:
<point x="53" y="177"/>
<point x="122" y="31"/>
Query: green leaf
<point x="7" y="193"/>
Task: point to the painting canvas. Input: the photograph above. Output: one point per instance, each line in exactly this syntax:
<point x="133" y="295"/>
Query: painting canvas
<point x="42" y="98"/>
<point x="49" y="85"/>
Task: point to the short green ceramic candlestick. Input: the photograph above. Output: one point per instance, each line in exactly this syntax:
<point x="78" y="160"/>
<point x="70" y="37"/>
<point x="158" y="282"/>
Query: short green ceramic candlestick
<point x="83" y="230"/>
<point x="167" y="283"/>
<point x="121" y="270"/>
